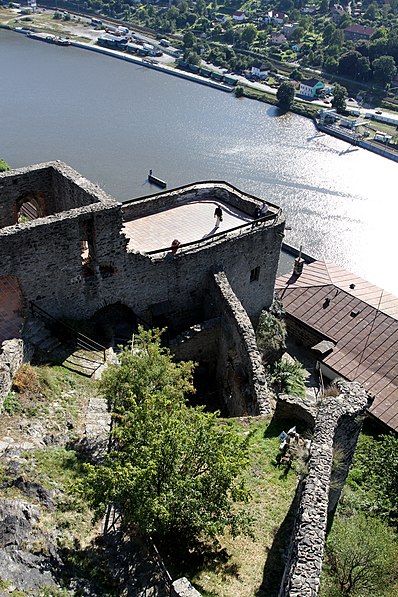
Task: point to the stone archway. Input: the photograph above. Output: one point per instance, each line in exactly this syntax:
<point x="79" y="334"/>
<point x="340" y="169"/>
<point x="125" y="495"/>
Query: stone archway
<point x="114" y="324"/>
<point x="31" y="206"/>
<point x="11" y="308"/>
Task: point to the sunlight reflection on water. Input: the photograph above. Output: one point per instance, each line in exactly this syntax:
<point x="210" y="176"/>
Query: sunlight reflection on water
<point x="113" y="121"/>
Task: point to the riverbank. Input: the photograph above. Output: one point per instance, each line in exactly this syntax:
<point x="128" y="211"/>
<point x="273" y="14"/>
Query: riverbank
<point x="153" y="64"/>
<point x="381" y="150"/>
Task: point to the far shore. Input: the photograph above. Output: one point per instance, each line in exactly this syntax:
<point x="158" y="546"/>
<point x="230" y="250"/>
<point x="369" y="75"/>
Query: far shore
<point x="249" y="90"/>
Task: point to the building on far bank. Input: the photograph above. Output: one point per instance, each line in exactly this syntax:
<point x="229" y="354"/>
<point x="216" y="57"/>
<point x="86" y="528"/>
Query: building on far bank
<point x="310" y="87"/>
<point x="356" y="31"/>
<point x="350" y="326"/>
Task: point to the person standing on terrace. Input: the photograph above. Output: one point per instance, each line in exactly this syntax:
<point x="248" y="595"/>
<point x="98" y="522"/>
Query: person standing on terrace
<point x="218" y="215"/>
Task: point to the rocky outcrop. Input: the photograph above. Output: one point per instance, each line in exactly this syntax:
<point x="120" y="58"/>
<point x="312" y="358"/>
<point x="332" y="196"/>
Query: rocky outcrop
<point x="28" y="557"/>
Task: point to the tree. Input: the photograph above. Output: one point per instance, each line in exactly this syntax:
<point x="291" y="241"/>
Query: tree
<point x="384" y="69"/>
<point x="324" y="7"/>
<point x="328" y="31"/>
<point x="285" y="95"/>
<point x="4" y="167"/>
<point x="189" y="39"/>
<point x="339" y="98"/>
<point x="173" y="470"/>
<point x="248" y="34"/>
<point x="297" y="34"/>
<point x="348" y="63"/>
<point x="360" y="556"/>
<point x="376" y="470"/>
<point x="363" y="68"/>
<point x="372" y="12"/>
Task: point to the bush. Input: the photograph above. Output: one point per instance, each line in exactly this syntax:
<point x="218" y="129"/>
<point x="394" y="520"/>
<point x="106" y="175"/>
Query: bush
<point x="271" y="334"/>
<point x="25" y="379"/>
<point x="11" y="404"/>
<point x="289" y="377"/>
<point x="4" y="167"/>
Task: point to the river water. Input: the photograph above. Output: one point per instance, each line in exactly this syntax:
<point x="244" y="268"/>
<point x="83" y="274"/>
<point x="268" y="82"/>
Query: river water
<point x="112" y="121"/>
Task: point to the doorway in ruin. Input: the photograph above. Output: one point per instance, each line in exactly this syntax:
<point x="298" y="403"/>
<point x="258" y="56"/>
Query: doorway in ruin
<point x="11" y="308"/>
<point x="114" y="325"/>
<point x="207" y="390"/>
<point x="30" y="207"/>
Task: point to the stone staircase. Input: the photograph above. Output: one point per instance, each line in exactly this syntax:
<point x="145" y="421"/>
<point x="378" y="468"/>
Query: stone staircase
<point x="48" y="348"/>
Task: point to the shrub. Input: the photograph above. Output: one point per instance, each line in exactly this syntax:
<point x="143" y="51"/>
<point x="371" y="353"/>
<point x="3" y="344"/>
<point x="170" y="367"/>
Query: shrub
<point x="11" y="404"/>
<point x="4" y="167"/>
<point x="25" y="379"/>
<point x="289" y="377"/>
<point x="271" y="334"/>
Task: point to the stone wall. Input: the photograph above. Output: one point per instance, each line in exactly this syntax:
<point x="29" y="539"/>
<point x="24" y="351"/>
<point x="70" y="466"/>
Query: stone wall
<point x="12" y="354"/>
<point x="198" y="343"/>
<point x="338" y="423"/>
<point x="210" y="190"/>
<point x="240" y="371"/>
<point x="53" y="187"/>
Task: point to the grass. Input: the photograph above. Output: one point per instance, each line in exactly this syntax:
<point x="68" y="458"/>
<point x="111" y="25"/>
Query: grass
<point x="234" y="567"/>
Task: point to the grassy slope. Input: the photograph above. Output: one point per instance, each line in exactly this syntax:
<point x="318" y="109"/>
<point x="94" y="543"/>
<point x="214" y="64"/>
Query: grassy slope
<point x="236" y="568"/>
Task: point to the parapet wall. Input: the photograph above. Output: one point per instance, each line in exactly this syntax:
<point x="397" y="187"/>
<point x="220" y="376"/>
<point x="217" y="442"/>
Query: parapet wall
<point x="212" y="190"/>
<point x="337" y="425"/>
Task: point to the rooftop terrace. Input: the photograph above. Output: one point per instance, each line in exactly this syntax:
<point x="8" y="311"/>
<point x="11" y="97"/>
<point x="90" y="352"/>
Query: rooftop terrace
<point x="189" y="222"/>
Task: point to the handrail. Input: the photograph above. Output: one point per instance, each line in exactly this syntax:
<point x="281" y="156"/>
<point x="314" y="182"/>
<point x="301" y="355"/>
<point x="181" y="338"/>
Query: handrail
<point x="251" y="224"/>
<point x="84" y="341"/>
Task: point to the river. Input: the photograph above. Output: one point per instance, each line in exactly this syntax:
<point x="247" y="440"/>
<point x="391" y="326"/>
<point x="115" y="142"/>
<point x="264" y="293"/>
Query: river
<point x="113" y="121"/>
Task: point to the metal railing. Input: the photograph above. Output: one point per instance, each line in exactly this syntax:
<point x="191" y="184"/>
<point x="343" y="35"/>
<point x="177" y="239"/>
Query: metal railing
<point x="217" y="236"/>
<point x="82" y="341"/>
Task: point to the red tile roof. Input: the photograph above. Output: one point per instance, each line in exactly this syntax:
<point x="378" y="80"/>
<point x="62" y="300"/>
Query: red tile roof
<point x="360" y="318"/>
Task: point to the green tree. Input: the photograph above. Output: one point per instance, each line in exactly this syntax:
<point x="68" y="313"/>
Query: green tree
<point x="360" y="557"/>
<point x="328" y="31"/>
<point x="348" y="63"/>
<point x="189" y="39"/>
<point x="384" y="69"/>
<point x="248" y="34"/>
<point x="372" y="12"/>
<point x="4" y="166"/>
<point x="174" y="470"/>
<point x="339" y="98"/>
<point x="376" y="470"/>
<point x="285" y="95"/>
<point x="324" y="7"/>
